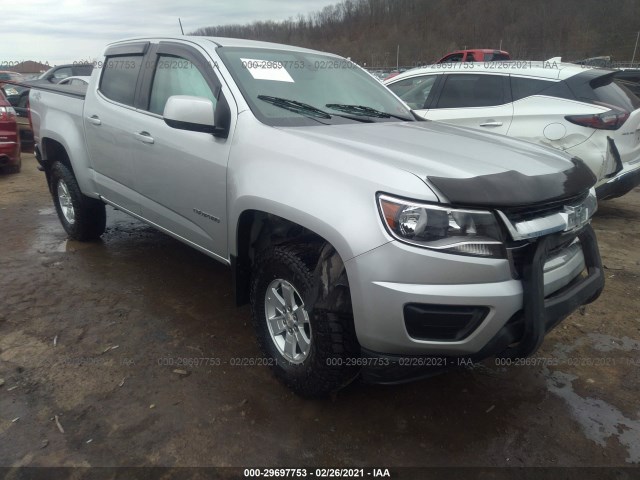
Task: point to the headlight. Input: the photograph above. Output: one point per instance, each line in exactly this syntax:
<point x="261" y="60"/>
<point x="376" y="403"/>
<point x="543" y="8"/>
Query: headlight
<point x="450" y="230"/>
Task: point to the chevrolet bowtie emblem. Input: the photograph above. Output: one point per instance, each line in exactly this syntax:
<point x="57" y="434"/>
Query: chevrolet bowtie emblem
<point x="576" y="216"/>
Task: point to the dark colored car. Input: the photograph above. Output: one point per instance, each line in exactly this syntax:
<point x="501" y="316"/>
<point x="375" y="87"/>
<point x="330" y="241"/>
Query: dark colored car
<point x="475" y="55"/>
<point x="56" y="74"/>
<point x="6" y="76"/>
<point x="10" y="160"/>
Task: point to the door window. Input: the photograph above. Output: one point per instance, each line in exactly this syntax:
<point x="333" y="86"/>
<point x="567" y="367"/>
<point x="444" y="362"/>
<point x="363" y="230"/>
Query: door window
<point x="454" y="57"/>
<point x="176" y="76"/>
<point x="119" y="77"/>
<point x="472" y="90"/>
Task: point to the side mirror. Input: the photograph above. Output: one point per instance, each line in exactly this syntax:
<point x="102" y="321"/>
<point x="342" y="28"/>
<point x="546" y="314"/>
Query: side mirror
<point x="195" y="114"/>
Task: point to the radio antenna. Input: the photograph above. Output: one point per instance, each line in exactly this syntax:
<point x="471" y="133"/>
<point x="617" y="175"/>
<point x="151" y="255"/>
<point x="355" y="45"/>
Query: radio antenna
<point x="180" y="22"/>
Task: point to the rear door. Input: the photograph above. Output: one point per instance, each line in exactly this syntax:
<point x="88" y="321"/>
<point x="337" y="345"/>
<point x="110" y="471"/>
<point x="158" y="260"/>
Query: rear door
<point x="109" y="123"/>
<point x="475" y="100"/>
<point x="181" y="175"/>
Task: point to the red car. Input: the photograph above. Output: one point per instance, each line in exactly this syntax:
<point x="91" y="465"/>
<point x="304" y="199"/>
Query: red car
<point x="10" y="160"/>
<point x="476" y="55"/>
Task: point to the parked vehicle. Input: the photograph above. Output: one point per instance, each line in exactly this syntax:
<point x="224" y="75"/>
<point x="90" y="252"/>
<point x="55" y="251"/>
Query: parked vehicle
<point x="6" y="76"/>
<point x="10" y="160"/>
<point x="20" y="103"/>
<point x="75" y="81"/>
<point x="475" y="55"/>
<point x="60" y="72"/>
<point x="582" y="111"/>
<point x="366" y="241"/>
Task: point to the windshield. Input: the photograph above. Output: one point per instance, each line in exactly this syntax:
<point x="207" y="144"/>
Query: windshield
<point x="45" y="74"/>
<point x="287" y="88"/>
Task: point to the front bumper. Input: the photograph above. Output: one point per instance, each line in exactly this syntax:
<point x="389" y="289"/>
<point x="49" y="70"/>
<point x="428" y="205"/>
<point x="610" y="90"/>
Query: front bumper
<point x="622" y="183"/>
<point x="521" y="312"/>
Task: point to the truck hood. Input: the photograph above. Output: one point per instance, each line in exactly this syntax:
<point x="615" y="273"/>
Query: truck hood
<point x="465" y="166"/>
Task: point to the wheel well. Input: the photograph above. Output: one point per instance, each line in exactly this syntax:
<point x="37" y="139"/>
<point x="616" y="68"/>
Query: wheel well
<point x="53" y="151"/>
<point x="257" y="231"/>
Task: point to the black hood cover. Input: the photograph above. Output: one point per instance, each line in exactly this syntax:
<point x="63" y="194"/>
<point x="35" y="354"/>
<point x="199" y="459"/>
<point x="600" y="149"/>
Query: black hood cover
<point x="513" y="189"/>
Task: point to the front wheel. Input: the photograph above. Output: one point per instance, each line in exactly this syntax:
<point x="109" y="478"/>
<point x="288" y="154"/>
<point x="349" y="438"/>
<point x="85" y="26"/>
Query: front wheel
<point x="309" y="349"/>
<point x="83" y="218"/>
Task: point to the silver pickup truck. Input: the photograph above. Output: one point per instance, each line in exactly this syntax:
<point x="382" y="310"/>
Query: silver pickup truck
<point x="368" y="241"/>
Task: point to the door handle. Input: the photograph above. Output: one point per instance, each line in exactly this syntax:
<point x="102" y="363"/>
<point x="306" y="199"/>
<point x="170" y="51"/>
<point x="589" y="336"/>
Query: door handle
<point x="144" y="137"/>
<point x="491" y="124"/>
<point x="94" y="120"/>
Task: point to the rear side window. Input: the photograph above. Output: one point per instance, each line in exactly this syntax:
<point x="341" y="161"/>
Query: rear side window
<point x="527" y="87"/>
<point x="492" y="57"/>
<point x="415" y="90"/>
<point x="472" y="90"/>
<point x="119" y="77"/>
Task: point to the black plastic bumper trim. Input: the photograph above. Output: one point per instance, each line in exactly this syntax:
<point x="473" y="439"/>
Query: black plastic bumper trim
<point x="619" y="186"/>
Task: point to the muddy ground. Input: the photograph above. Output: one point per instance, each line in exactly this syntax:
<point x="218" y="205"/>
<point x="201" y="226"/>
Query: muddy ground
<point x="124" y="312"/>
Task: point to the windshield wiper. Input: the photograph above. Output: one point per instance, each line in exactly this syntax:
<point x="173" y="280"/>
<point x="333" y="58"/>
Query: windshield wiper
<point x="363" y="111"/>
<point x="295" y="106"/>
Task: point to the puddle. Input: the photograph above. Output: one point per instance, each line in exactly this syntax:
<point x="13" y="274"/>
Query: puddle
<point x="599" y="342"/>
<point x="49" y="239"/>
<point x="598" y="419"/>
<point x="47" y="211"/>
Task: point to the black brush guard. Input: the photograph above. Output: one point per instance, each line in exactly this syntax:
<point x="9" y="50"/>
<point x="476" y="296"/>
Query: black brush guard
<point x="523" y="334"/>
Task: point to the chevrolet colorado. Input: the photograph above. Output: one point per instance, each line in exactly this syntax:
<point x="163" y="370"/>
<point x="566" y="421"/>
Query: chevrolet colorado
<point x="367" y="241"/>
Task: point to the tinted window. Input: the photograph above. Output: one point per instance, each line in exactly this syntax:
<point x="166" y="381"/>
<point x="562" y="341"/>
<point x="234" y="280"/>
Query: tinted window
<point x="414" y="91"/>
<point x="527" y="87"/>
<point x="176" y="76"/>
<point x="119" y="77"/>
<point x="471" y="90"/>
<point x="491" y="57"/>
<point x="456" y="57"/>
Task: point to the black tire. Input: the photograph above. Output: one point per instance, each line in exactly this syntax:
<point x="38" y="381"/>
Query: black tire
<point x="15" y="168"/>
<point x="90" y="214"/>
<point x="327" y="367"/>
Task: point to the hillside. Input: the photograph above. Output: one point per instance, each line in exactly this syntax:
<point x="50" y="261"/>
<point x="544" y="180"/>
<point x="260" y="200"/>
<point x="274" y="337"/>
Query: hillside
<point x="369" y="31"/>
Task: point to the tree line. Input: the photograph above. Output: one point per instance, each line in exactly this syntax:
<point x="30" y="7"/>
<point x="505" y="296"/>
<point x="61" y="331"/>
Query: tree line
<point x="370" y="31"/>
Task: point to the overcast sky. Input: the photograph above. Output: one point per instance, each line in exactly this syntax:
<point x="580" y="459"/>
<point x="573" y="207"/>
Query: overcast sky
<point x="63" y="31"/>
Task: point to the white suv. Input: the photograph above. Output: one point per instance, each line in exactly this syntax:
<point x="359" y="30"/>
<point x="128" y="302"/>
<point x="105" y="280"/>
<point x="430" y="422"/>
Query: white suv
<point x="577" y="109"/>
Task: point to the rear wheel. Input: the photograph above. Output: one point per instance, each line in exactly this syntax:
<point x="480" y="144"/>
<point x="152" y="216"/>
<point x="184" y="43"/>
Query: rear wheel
<point x="309" y="349"/>
<point x="83" y="218"/>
